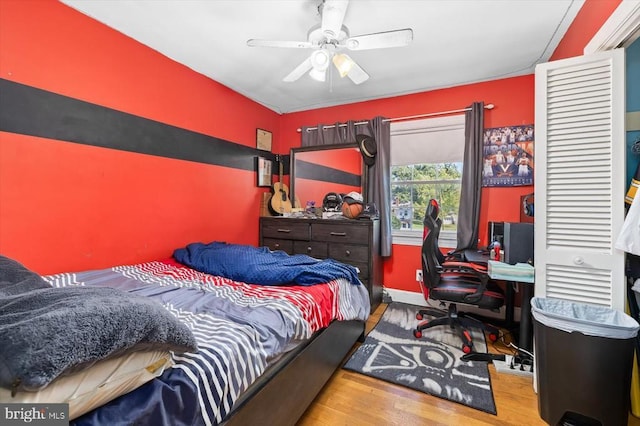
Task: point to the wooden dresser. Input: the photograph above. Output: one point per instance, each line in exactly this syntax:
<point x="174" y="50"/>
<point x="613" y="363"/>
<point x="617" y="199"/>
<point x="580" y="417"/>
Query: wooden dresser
<point x="356" y="242"/>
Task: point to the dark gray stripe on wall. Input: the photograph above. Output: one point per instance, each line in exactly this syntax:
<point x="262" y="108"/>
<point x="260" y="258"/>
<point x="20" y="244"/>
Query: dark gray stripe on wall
<point x="30" y="111"/>
<point x="306" y="170"/>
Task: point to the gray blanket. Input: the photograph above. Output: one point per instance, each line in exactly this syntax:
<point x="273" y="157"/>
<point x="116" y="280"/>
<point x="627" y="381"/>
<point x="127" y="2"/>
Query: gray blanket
<point x="46" y="332"/>
<point x="16" y="279"/>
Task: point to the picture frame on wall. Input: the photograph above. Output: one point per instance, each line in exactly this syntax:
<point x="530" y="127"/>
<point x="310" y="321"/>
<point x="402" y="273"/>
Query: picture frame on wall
<point x="265" y="168"/>
<point x="264" y="138"/>
<point x="508" y="158"/>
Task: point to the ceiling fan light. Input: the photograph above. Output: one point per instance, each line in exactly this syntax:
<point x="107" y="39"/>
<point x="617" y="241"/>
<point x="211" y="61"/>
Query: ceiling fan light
<point x="318" y="75"/>
<point x="320" y="60"/>
<point x="343" y="64"/>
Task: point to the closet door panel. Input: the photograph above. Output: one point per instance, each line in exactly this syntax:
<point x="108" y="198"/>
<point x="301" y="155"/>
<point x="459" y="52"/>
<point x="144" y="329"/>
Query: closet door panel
<point x="579" y="182"/>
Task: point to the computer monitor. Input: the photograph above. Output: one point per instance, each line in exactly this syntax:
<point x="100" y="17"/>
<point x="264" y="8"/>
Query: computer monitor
<point x="518" y="242"/>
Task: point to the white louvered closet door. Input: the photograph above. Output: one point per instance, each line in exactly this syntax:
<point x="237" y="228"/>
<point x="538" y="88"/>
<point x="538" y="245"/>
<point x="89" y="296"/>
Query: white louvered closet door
<point x="579" y="181"/>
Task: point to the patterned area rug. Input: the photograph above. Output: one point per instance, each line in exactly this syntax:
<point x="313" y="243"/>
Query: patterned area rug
<point x="430" y="364"/>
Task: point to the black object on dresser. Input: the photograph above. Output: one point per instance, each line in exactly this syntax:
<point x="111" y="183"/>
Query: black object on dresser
<point x="356" y="242"/>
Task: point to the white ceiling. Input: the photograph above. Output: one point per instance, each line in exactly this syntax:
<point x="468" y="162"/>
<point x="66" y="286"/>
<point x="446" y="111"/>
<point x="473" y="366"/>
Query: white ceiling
<point x="455" y="42"/>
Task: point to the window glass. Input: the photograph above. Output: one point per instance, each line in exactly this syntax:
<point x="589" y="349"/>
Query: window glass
<point x="413" y="186"/>
<point x="430" y="175"/>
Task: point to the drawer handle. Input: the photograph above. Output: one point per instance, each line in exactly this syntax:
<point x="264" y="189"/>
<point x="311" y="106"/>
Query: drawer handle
<point x="348" y="253"/>
<point x="308" y="249"/>
<point x="286" y="231"/>
<point x="276" y="245"/>
<point x="338" y="234"/>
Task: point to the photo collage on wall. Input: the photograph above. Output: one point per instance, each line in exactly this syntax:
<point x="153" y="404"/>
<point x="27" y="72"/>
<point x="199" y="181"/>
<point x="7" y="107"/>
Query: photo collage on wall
<point x="508" y="156"/>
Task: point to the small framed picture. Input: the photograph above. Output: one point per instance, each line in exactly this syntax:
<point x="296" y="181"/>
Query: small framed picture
<point x="264" y="172"/>
<point x="263" y="139"/>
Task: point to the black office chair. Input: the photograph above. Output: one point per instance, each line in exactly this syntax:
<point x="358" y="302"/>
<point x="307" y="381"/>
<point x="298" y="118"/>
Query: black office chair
<point x="455" y="284"/>
<point x="454" y="260"/>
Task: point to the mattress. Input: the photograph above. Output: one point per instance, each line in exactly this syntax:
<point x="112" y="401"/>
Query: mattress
<point x="104" y="381"/>
<point x="240" y="330"/>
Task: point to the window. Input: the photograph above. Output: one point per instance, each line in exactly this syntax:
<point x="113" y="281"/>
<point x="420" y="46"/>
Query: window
<point x="426" y="162"/>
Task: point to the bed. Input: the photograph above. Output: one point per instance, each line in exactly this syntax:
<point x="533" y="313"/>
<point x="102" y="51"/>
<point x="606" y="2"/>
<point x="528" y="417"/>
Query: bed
<point x="263" y="351"/>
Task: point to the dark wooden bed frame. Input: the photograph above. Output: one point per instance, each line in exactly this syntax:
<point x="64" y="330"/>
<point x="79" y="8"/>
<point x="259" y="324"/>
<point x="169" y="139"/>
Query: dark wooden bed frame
<point x="284" y="392"/>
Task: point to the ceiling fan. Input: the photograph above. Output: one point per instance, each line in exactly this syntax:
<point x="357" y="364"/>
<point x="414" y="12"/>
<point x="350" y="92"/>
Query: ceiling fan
<point x="329" y="39"/>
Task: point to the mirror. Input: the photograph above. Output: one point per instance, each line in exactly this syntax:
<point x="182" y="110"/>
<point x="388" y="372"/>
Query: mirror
<point x="317" y="170"/>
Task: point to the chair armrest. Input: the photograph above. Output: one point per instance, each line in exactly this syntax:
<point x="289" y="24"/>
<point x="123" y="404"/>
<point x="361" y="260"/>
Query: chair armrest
<point x="474" y="298"/>
<point x="455" y="255"/>
<point x="456" y="266"/>
<point x="471" y="270"/>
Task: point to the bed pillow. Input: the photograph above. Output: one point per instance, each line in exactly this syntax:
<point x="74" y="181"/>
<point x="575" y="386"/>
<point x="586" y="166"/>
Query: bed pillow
<point x="103" y="382"/>
<point x="48" y="332"/>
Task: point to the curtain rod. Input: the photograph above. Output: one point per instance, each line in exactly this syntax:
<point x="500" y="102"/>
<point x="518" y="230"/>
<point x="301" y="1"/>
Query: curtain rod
<point x="409" y="117"/>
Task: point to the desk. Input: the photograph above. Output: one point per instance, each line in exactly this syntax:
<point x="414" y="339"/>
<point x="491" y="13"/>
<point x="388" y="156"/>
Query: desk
<point x="520" y="273"/>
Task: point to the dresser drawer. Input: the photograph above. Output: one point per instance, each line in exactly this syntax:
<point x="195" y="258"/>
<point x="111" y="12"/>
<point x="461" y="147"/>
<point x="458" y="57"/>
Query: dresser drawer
<point x="363" y="267"/>
<point x="311" y="248"/>
<point x="340" y="233"/>
<point x="280" y="229"/>
<point x="276" y="244"/>
<point x="349" y="252"/>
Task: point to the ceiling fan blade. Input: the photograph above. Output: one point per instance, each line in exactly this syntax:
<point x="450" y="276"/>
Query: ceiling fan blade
<point x="278" y="43"/>
<point x="396" y="38"/>
<point x="356" y="73"/>
<point x="333" y="12"/>
<point x="299" y="71"/>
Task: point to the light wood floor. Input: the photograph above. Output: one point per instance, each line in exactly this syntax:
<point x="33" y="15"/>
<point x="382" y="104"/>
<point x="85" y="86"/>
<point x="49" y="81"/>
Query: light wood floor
<point x="354" y="399"/>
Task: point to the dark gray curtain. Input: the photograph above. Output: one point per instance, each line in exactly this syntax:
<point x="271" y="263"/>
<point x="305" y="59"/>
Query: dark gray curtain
<point x="335" y="134"/>
<point x="378" y="176"/>
<point x="469" y="213"/>
<point x="379" y="180"/>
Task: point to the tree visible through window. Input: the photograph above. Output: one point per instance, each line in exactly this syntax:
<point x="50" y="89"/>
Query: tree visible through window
<point x="426" y="163"/>
<point x="412" y="186"/>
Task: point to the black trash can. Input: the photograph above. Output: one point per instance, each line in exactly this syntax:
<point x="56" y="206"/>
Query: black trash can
<point x="584" y="360"/>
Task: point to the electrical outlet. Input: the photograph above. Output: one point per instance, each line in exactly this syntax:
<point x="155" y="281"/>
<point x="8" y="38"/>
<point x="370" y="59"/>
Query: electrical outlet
<point x="419" y="275"/>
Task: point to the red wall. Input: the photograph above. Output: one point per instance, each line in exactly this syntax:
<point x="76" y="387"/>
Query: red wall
<point x="586" y="24"/>
<point x="513" y="100"/>
<point x="66" y="206"/>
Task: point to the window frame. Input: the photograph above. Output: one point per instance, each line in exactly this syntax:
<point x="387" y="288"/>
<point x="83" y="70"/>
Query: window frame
<point x="447" y="239"/>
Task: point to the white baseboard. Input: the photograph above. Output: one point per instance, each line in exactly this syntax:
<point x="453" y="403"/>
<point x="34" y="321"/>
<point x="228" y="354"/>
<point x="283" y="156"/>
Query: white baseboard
<point x="414" y="298"/>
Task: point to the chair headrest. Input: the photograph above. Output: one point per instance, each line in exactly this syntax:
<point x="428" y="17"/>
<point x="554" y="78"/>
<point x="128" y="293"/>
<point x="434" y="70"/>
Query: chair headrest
<point x="430" y="218"/>
<point x="433" y="209"/>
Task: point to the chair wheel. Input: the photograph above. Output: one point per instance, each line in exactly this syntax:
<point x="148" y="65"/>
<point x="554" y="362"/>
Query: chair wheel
<point x="417" y="334"/>
<point x="493" y="337"/>
<point x="419" y="316"/>
<point x="466" y="349"/>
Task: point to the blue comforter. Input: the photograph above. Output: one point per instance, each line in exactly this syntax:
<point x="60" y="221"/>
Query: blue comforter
<point x="261" y="266"/>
